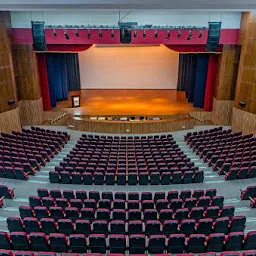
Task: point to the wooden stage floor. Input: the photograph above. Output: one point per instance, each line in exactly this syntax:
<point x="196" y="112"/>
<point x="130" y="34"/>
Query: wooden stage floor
<point x="129" y="102"/>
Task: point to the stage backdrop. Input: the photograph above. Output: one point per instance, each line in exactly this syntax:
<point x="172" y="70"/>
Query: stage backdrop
<point x="128" y="67"/>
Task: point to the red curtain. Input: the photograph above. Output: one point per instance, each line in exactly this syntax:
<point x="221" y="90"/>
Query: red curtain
<point x="68" y="47"/>
<point x="210" y="82"/>
<point x="42" y="67"/>
<point x="190" y="48"/>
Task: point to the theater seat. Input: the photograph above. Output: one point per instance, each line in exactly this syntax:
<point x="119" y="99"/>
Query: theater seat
<point x="58" y="242"/>
<point x="156" y="244"/>
<point x="234" y="241"/>
<point x="137" y="244"/>
<point x="20" y="241"/>
<point x="78" y="243"/>
<point x="97" y="243"/>
<point x="39" y="242"/>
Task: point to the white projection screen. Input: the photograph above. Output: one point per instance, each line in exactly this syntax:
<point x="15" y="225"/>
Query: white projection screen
<point x="128" y="67"/>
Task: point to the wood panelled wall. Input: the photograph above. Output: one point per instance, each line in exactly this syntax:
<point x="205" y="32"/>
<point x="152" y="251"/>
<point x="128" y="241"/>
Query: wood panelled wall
<point x="28" y="84"/>
<point x="246" y="82"/>
<point x="10" y="121"/>
<point x="222" y="111"/>
<point x="243" y="121"/>
<point x="7" y="80"/>
<point x="226" y="76"/>
<point x="26" y="72"/>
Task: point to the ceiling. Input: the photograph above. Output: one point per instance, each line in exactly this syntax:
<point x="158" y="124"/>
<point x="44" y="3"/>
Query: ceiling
<point x="128" y="4"/>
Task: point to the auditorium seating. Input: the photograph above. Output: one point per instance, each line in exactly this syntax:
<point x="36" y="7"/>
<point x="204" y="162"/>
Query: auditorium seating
<point x="118" y="243"/>
<point x="29" y="253"/>
<point x="22" y="153"/>
<point x="230" y="154"/>
<point x="126" y="160"/>
<point x="5" y="192"/>
<point x="249" y="194"/>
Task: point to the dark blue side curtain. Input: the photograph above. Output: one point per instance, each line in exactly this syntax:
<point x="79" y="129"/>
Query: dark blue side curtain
<point x="192" y="76"/>
<point x="200" y="80"/>
<point x="63" y="75"/>
<point x="73" y="73"/>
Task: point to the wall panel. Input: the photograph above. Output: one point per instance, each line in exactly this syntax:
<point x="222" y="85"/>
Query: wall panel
<point x="222" y="111"/>
<point x="10" y="121"/>
<point x="243" y="121"/>
<point x="31" y="112"/>
<point x="246" y="81"/>
<point x="7" y="80"/>
<point x="26" y="72"/>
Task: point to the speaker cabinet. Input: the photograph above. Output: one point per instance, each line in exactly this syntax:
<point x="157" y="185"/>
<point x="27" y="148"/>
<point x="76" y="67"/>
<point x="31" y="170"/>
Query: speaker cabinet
<point x="38" y="35"/>
<point x="125" y="35"/>
<point x="213" y="36"/>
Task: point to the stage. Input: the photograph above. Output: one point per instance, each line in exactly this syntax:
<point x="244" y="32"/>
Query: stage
<point x="129" y="102"/>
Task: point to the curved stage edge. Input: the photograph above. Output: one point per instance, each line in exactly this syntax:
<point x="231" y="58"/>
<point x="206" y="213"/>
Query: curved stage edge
<point x="131" y="127"/>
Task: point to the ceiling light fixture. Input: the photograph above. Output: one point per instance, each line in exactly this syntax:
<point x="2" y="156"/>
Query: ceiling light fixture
<point x="144" y="33"/>
<point x="179" y="34"/>
<point x="189" y="34"/>
<point x="168" y="35"/>
<point x="66" y="35"/>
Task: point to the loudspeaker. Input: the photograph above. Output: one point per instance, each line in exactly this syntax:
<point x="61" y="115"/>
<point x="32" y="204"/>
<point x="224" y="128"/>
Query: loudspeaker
<point x="38" y="35"/>
<point x="125" y="35"/>
<point x="11" y="102"/>
<point x="213" y="36"/>
<point x="242" y="104"/>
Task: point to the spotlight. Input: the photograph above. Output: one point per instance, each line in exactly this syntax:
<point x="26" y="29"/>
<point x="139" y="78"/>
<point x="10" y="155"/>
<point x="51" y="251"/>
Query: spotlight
<point x="54" y="32"/>
<point x="76" y="33"/>
<point x="168" y="35"/>
<point x="112" y="33"/>
<point x="200" y="34"/>
<point x="100" y="33"/>
<point x="135" y="33"/>
<point x="179" y="34"/>
<point x="189" y="35"/>
<point x="156" y="34"/>
<point x="66" y="35"/>
<point x="88" y="34"/>
<point x="144" y="33"/>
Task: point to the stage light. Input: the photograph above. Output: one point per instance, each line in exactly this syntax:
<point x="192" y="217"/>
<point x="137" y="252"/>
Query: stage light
<point x="156" y="34"/>
<point x="112" y="33"/>
<point x="100" y="33"/>
<point x="135" y="33"/>
<point x="66" y="35"/>
<point x="189" y="35"/>
<point x="200" y="34"/>
<point x="168" y="35"/>
<point x="179" y="34"/>
<point x="54" y="32"/>
<point x="76" y="33"/>
<point x="144" y="33"/>
<point x="88" y="34"/>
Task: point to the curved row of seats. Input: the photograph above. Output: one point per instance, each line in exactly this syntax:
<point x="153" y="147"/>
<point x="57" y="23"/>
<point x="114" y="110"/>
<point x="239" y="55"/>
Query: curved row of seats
<point x="231" y="154"/>
<point x="144" y="178"/>
<point x="29" y="253"/>
<point x="126" y="160"/>
<point x="249" y="194"/>
<point x="117" y="243"/>
<point x="74" y="213"/>
<point x="150" y="227"/>
<point x="23" y="153"/>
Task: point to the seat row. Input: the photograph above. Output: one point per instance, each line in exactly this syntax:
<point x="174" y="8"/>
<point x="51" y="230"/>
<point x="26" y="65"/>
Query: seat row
<point x="122" y="179"/>
<point x="150" y="227"/>
<point x="139" y="244"/>
<point x="29" y="253"/>
<point x="96" y="195"/>
<point x="74" y="213"/>
<point x="159" y="204"/>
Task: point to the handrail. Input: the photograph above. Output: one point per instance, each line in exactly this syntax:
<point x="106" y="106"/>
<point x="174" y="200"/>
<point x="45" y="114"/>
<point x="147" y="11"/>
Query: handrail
<point x="197" y="118"/>
<point x="58" y="118"/>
